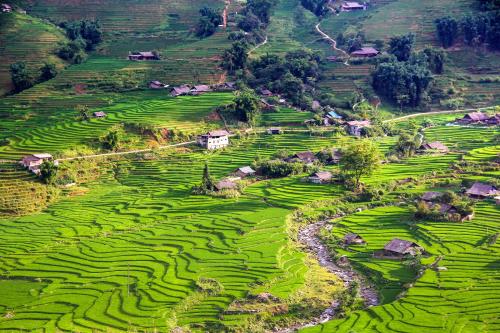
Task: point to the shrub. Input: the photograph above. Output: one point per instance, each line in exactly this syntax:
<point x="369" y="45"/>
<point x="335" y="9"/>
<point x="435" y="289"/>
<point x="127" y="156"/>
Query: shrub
<point x="209" y="286"/>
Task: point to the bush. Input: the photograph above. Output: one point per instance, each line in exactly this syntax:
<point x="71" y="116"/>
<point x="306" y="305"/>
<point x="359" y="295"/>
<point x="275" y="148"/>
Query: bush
<point x="277" y="168"/>
<point x="209" y="286"/>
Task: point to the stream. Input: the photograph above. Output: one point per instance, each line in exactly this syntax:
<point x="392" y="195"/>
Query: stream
<point x="308" y="236"/>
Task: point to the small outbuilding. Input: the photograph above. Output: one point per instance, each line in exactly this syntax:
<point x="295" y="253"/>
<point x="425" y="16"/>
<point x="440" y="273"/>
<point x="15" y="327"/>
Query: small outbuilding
<point x="352" y="238"/>
<point x="200" y="89"/>
<point x="180" y="90"/>
<point x="400" y="248"/>
<point x="434" y="146"/>
<point x="6" y="8"/>
<point x="304" y="157"/>
<point x="266" y="92"/>
<point x="34" y="161"/>
<point x="431" y="196"/>
<point x="157" y="85"/>
<point x="148" y="55"/>
<point x="245" y="171"/>
<point x="321" y="177"/>
<point x="226" y="184"/>
<point x="365" y="52"/>
<point x="99" y="114"/>
<point x="481" y="191"/>
<point x="355" y="127"/>
<point x="274" y="130"/>
<point x="349" y="6"/>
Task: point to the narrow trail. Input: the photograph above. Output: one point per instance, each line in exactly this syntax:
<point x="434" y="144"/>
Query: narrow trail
<point x="308" y="236"/>
<point x="224" y="14"/>
<point x="434" y="113"/>
<point x="257" y="46"/>
<point x="333" y="42"/>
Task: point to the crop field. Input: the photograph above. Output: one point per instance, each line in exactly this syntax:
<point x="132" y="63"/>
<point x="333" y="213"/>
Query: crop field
<point x="464" y="298"/>
<point x="62" y="131"/>
<point x="25" y="38"/>
<point x="127" y="254"/>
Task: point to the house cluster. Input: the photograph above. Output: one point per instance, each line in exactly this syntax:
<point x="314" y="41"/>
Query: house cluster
<point x="214" y="139"/>
<point x="350" y="6"/>
<point x="34" y="161"/>
<point x="231" y="183"/>
<point x="200" y="89"/>
<point x="479" y="118"/>
<point x="138" y="56"/>
<point x="432" y="200"/>
<point x="5" y="8"/>
<point x="396" y="248"/>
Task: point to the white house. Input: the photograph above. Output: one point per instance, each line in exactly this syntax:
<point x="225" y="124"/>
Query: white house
<point x="214" y="140"/>
<point x="33" y="162"/>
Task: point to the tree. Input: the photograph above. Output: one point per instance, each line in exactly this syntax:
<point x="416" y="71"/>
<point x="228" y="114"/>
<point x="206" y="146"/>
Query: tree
<point x="261" y="8"/>
<point x="401" y="46"/>
<point x="20" y="77"/>
<point x="318" y="7"/>
<point x="48" y="171"/>
<point x="208" y="22"/>
<point x="207" y="182"/>
<point x="90" y="32"/>
<point x="408" y="144"/>
<point x="249" y="22"/>
<point x="112" y="140"/>
<point x="435" y="60"/>
<point x="359" y="158"/>
<point x="246" y="105"/>
<point x="447" y="30"/>
<point x="48" y="71"/>
<point x="236" y="57"/>
<point x="82" y="111"/>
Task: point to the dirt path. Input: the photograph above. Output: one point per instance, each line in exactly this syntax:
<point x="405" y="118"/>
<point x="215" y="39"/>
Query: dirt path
<point x="333" y="42"/>
<point x="308" y="236"/>
<point x="257" y="46"/>
<point x="224" y="14"/>
<point x="434" y="113"/>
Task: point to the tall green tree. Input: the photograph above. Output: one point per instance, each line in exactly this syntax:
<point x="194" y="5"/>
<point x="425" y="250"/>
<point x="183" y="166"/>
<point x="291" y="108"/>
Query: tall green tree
<point x="235" y="58"/>
<point x="447" y="30"/>
<point x="246" y="106"/>
<point x="359" y="158"/>
<point x="207" y="182"/>
<point x="48" y="172"/>
<point x="408" y="144"/>
<point x="48" y="71"/>
<point x="20" y="76"/>
<point x="401" y="46"/>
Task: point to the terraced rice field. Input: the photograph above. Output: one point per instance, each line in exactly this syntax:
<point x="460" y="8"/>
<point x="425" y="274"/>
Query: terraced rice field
<point x="61" y="131"/>
<point x="25" y="38"/>
<point x="464" y="298"/>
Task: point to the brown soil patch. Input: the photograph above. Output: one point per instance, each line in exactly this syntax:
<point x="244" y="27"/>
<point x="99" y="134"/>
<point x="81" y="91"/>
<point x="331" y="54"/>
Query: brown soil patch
<point x="80" y="89"/>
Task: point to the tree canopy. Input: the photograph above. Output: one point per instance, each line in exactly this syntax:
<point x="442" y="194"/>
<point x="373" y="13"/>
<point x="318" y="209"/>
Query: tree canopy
<point x="401" y="46"/>
<point x="208" y="22"/>
<point x="359" y="158"/>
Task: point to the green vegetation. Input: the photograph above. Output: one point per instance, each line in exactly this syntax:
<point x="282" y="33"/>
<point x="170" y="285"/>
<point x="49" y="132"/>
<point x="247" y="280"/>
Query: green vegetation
<point x="208" y="23"/>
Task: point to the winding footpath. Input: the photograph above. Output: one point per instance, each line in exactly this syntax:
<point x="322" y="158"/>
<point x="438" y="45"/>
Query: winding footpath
<point x="258" y="45"/>
<point x="333" y="42"/>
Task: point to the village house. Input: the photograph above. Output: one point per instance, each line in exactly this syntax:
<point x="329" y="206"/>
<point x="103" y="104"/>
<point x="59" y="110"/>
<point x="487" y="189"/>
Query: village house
<point x="355" y="127"/>
<point x="200" y="89"/>
<point x="335" y="157"/>
<point x="180" y="90"/>
<point x="320" y="177"/>
<point x="434" y="146"/>
<point x="266" y="92"/>
<point x="352" y="238"/>
<point x="352" y="5"/>
<point x="214" y="140"/>
<point x="366" y="52"/>
<point x="226" y="86"/>
<point x="332" y="118"/>
<point x="136" y="56"/>
<point x="274" y="130"/>
<point x="157" y="85"/>
<point x="99" y="114"/>
<point x="6" y="8"/>
<point x="225" y="184"/>
<point x="431" y="196"/>
<point x="473" y="118"/>
<point x="399" y="248"/>
<point x="245" y="171"/>
<point x="33" y="162"/>
<point x="481" y="191"/>
<point x="304" y="157"/>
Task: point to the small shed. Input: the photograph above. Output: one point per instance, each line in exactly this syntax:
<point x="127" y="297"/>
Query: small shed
<point x="225" y="184"/>
<point x="400" y="247"/>
<point x="352" y="5"/>
<point x="266" y="92"/>
<point x="481" y="191"/>
<point x="305" y="157"/>
<point x="321" y="177"/>
<point x="180" y="90"/>
<point x="431" y="196"/>
<point x="352" y="238"/>
<point x="434" y="146"/>
<point x="274" y="130"/>
<point x="200" y="89"/>
<point x="245" y="171"/>
<point x="157" y="85"/>
<point x="99" y="114"/>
